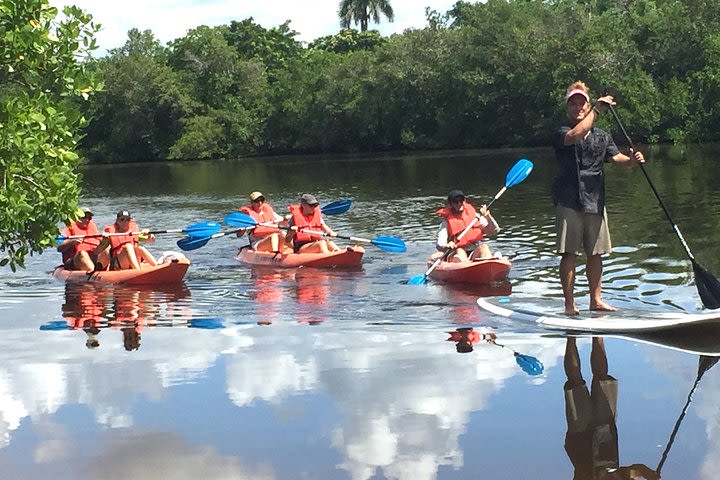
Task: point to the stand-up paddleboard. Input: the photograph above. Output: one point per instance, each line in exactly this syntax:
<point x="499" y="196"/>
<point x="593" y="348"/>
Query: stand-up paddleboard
<point x="620" y="322"/>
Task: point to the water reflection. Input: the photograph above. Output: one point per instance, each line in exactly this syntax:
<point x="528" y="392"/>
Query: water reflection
<point x="95" y="308"/>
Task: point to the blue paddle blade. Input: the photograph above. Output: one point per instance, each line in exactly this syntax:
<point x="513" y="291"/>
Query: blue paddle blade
<point x="192" y="243"/>
<point x="518" y="172"/>
<point x="202" y="229"/>
<point x="530" y="365"/>
<point x="391" y="244"/>
<point x="335" y="208"/>
<point x="417" y="280"/>
<point x="239" y="220"/>
<point x="206" y="323"/>
<point x="55" y="325"/>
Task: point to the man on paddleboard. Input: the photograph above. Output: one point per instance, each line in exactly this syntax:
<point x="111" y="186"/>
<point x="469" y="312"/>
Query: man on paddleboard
<point x="579" y="192"/>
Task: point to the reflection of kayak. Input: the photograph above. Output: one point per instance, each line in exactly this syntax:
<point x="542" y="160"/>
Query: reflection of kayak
<point x="350" y="257"/>
<point x="472" y="271"/>
<point x="168" y="272"/>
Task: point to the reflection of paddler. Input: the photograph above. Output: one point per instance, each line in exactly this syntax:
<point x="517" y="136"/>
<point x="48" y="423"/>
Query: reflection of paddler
<point x="268" y="293"/>
<point x="591" y="441"/>
<point x="83" y="308"/>
<point x="466" y="337"/>
<point x="463" y="300"/>
<point x="312" y="291"/>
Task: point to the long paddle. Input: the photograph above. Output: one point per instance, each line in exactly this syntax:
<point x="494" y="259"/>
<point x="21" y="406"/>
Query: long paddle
<point x="194" y="241"/>
<point x="704" y="364"/>
<point x="391" y="244"/>
<point x="204" y="229"/>
<point x="707" y="285"/>
<point x="529" y="364"/>
<point x="517" y="174"/>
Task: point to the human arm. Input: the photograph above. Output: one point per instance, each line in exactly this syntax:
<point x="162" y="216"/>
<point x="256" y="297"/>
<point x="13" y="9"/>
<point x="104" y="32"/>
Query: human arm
<point x="442" y="237"/>
<point x="326" y="228"/>
<point x="581" y="129"/>
<point x="635" y="158"/>
<point x="489" y="225"/>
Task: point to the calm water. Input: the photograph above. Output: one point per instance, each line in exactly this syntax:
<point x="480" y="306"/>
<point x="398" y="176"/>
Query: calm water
<point x="251" y="374"/>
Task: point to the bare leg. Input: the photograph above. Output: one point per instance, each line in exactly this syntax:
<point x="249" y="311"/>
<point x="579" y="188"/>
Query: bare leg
<point x="315" y="247"/>
<point x="571" y="362"/>
<point x="143" y="254"/>
<point x="459" y="255"/>
<point x="82" y="261"/>
<point x="567" y="279"/>
<point x="127" y="258"/>
<point x="594" y="276"/>
<point x="482" y="251"/>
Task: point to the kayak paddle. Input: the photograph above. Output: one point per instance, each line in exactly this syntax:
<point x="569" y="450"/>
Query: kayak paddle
<point x="707" y="285"/>
<point x="705" y="362"/>
<point x="201" y="229"/>
<point x="529" y="364"/>
<point x="517" y="174"/>
<point x="336" y="208"/>
<point x="391" y="244"/>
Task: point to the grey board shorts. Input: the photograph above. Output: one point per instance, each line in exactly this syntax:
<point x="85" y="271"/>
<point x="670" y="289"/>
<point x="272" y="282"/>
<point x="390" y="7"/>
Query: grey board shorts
<point x="580" y="232"/>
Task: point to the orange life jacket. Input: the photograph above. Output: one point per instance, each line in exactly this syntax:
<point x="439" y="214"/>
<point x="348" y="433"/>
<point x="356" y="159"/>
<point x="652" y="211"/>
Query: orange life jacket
<point x="458" y="221"/>
<point x="265" y="215"/>
<point x="311" y="222"/>
<point x="87" y="244"/>
<point x="117" y="241"/>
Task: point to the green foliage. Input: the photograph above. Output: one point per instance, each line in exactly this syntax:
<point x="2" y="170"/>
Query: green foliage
<point x="348" y="40"/>
<point x="483" y="74"/>
<point x="43" y="68"/>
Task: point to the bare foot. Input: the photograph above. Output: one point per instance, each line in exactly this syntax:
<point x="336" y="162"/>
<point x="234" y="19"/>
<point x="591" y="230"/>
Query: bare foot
<point x="602" y="307"/>
<point x="572" y="311"/>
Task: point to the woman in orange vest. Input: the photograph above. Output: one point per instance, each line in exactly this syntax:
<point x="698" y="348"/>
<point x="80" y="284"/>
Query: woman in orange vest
<point x="263" y="238"/>
<point x="307" y="218"/>
<point x="457" y="215"/>
<point x="125" y="250"/>
<point x="81" y="253"/>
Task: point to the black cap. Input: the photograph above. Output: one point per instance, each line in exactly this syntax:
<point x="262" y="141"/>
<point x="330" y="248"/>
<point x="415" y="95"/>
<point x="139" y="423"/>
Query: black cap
<point x="455" y="194"/>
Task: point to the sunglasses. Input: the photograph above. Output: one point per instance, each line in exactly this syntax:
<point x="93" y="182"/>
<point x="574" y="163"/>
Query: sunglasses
<point x="258" y="200"/>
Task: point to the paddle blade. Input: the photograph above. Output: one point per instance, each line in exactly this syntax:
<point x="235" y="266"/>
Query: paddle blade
<point x="239" y="220"/>
<point x="530" y="365"/>
<point x="417" y="280"/>
<point x="708" y="287"/>
<point x="206" y="323"/>
<point x="518" y="172"/>
<point x="202" y="229"/>
<point x="192" y="243"/>
<point x="335" y="208"/>
<point x="391" y="244"/>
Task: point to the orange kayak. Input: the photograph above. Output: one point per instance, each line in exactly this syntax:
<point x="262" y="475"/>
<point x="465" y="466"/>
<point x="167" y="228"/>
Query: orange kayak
<point x="472" y="271"/>
<point x="168" y="272"/>
<point x="350" y="257"/>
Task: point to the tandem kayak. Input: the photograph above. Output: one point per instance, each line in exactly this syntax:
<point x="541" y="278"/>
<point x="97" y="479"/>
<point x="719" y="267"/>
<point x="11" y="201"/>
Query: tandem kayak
<point x="350" y="257"/>
<point x="472" y="271"/>
<point x="171" y="271"/>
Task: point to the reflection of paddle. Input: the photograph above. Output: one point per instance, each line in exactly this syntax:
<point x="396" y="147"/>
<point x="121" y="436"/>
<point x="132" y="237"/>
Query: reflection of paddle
<point x="201" y="229"/>
<point x="704" y="364"/>
<point x="391" y="244"/>
<point x="707" y="285"/>
<point x="530" y="365"/>
<point x="517" y="174"/>
<point x="194" y="241"/>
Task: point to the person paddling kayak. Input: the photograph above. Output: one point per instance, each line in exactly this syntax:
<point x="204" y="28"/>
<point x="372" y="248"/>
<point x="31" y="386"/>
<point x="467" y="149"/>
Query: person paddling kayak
<point x="457" y="216"/>
<point x="82" y="253"/>
<point x="125" y="250"/>
<point x="306" y="218"/>
<point x="263" y="238"/>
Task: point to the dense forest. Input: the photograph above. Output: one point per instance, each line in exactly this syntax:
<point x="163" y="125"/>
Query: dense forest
<point x="480" y="75"/>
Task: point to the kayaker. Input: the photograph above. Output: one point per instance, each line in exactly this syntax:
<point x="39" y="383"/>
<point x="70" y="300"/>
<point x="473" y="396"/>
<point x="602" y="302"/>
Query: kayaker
<point x="82" y="253"/>
<point x="578" y="192"/>
<point x="263" y="238"/>
<point x="304" y="219"/>
<point x="125" y="250"/>
<point x="457" y="215"/>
